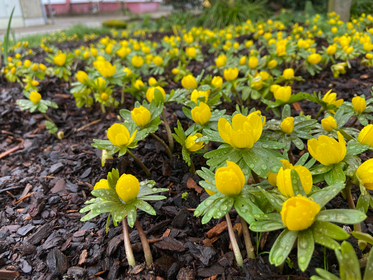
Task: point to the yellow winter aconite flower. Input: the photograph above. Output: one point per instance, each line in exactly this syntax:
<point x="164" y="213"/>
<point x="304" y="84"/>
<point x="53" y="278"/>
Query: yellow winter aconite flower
<point x="359" y="104"/>
<point x="217" y="81"/>
<point x="331" y="50"/>
<point x="189" y="82"/>
<point x="105" y="68"/>
<point x="272" y="63"/>
<point x="82" y="77"/>
<point x="158" y="60"/>
<point x="220" y="60"/>
<point x="288" y="73"/>
<point x="327" y="150"/>
<point x="13" y="70"/>
<point x="282" y="93"/>
<point x="102" y="184"/>
<point x="191" y="52"/>
<point x="314" y="58"/>
<point x="328" y="123"/>
<point x="27" y="63"/>
<point x="201" y="114"/>
<point x="34" y="83"/>
<point x="197" y="94"/>
<point x="35" y="97"/>
<point x="152" y="82"/>
<point x="243" y="133"/>
<point x="192" y="145"/>
<point x="287" y="125"/>
<point x="35" y="67"/>
<point x="331" y="98"/>
<point x="299" y="212"/>
<point x="284" y="183"/>
<point x="137" y="61"/>
<point x="175" y="71"/>
<point x="243" y="60"/>
<point x="253" y="62"/>
<point x="365" y="173"/>
<point x="229" y="180"/>
<point x="127" y="71"/>
<point x="150" y="93"/>
<point x="60" y="59"/>
<point x="366" y="135"/>
<point x="127" y="187"/>
<point x="138" y="84"/>
<point x="42" y="67"/>
<point x="119" y="135"/>
<point x="272" y="177"/>
<point x="230" y="74"/>
<point x="141" y="116"/>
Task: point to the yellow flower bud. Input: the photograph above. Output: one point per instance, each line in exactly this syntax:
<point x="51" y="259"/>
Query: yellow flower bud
<point x="102" y="184"/>
<point x="150" y="93"/>
<point x="201" y="114"/>
<point x="359" y="104"/>
<point x="127" y="187"/>
<point x="138" y="84"/>
<point x="272" y="177"/>
<point x="127" y="71"/>
<point x="283" y="93"/>
<point x="328" y="123"/>
<point x="152" y="81"/>
<point x="231" y="74"/>
<point x="191" y="52"/>
<point x="331" y="50"/>
<point x="285" y="185"/>
<point x="60" y="59"/>
<point x="327" y="150"/>
<point x="299" y="212"/>
<point x="349" y="50"/>
<point x="86" y="55"/>
<point x="365" y="173"/>
<point x="217" y="81"/>
<point x="94" y="52"/>
<point x="253" y="62"/>
<point x="119" y="135"/>
<point x="243" y="60"/>
<point x="192" y="145"/>
<point x="197" y="93"/>
<point x="229" y="180"/>
<point x="13" y="70"/>
<point x="287" y="125"/>
<point x="331" y="98"/>
<point x="35" y="67"/>
<point x="34" y="83"/>
<point x="175" y="71"/>
<point x="366" y="135"/>
<point x="257" y="84"/>
<point x="82" y="77"/>
<point x="104" y="96"/>
<point x="281" y="50"/>
<point x="314" y="58"/>
<point x="35" y="97"/>
<point x="141" y="116"/>
<point x="210" y="193"/>
<point x="27" y="63"/>
<point x="288" y="73"/>
<point x="272" y="63"/>
<point x="100" y="82"/>
<point x="334" y="29"/>
<point x="189" y="82"/>
<point x="105" y="68"/>
<point x="137" y="61"/>
<point x="220" y="60"/>
<point x="158" y="60"/>
<point x="42" y="67"/>
<point x="369" y="56"/>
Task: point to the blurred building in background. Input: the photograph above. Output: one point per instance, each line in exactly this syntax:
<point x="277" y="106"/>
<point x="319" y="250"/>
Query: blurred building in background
<point x="65" y="7"/>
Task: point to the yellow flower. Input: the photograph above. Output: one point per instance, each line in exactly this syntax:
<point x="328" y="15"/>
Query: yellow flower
<point x="42" y="67"/>
<point x="104" y="96"/>
<point x="138" y="84"/>
<point x="137" y="61"/>
<point x="150" y="93"/>
<point x="191" y="52"/>
<point x="158" y="60"/>
<point x="82" y="77"/>
<point x="366" y="135"/>
<point x="229" y="180"/>
<point x="274" y="88"/>
<point x="119" y="135"/>
<point x="175" y="71"/>
<point x="27" y="63"/>
<point x="272" y="63"/>
<point x="35" y="67"/>
<point x="220" y="60"/>
<point x="257" y="84"/>
<point x="287" y="125"/>
<point x="331" y="50"/>
<point x="190" y="142"/>
<point x="127" y="187"/>
<point x="102" y="184"/>
<point x="35" y="97"/>
<point x="201" y="114"/>
<point x="127" y="71"/>
<point x="328" y="123"/>
<point x="272" y="177"/>
<point x="189" y="82"/>
<point x="34" y="83"/>
<point x="365" y="173"/>
<point x="334" y="29"/>
<point x="210" y="193"/>
<point x="105" y="68"/>
<point x="314" y="58"/>
<point x="359" y="104"/>
<point x="330" y="98"/>
<point x="198" y="93"/>
<point x="283" y="93"/>
<point x="253" y="62"/>
<point x="231" y="74"/>
<point x="141" y="116"/>
<point x="299" y="212"/>
<point x="217" y="81"/>
<point x="327" y="150"/>
<point x="243" y="133"/>
<point x="288" y="73"/>
<point x="284" y="183"/>
<point x="243" y="60"/>
<point x="13" y="70"/>
<point x="60" y="59"/>
<point x="152" y="81"/>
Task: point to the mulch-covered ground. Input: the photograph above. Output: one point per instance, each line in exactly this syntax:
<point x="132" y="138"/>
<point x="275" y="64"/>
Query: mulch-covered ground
<point x="44" y="182"/>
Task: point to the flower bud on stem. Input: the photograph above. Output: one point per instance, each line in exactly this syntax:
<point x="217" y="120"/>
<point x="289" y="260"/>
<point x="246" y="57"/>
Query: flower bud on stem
<point x="169" y="133"/>
<point x="127" y="244"/>
<point x="139" y="163"/>
<point x="145" y="244"/>
<point x="232" y="237"/>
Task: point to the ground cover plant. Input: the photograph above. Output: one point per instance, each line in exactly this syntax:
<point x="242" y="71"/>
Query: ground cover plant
<point x="241" y="153"/>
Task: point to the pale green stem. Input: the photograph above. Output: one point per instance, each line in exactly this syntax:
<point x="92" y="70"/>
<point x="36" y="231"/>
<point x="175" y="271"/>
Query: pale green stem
<point x="232" y="237"/>
<point x="169" y="132"/>
<point x="145" y="244"/>
<point x="127" y="244"/>
<point x="246" y="234"/>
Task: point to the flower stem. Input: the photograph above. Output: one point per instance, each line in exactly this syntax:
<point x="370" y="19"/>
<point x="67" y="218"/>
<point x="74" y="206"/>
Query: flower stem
<point x="144" y="243"/>
<point x="350" y="202"/>
<point x="291" y="156"/>
<point x="103" y="108"/>
<point x="246" y="234"/>
<point x="192" y="167"/>
<point x="169" y="133"/>
<point x="232" y="237"/>
<point x="239" y="101"/>
<point x="139" y="163"/>
<point x="127" y="244"/>
<point x="318" y="114"/>
<point x="168" y="151"/>
<point x="48" y="119"/>
<point x="122" y="97"/>
<point x="352" y="124"/>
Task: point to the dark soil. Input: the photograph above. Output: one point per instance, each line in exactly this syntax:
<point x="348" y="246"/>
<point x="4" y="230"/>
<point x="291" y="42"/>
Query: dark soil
<point x="45" y="183"/>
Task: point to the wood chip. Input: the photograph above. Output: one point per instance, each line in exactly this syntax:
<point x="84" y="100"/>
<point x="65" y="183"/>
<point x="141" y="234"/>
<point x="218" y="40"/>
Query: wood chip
<point x="8" y="275"/>
<point x="82" y="257"/>
<point x="216" y="230"/>
<point x="191" y="184"/>
<point x="166" y="233"/>
<point x="238" y="227"/>
<point x="297" y="107"/>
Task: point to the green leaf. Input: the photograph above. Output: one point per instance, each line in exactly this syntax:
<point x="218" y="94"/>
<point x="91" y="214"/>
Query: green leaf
<point x="335" y="175"/>
<point x="152" y="197"/>
<point x="270" y="158"/>
<point x="246" y="208"/>
<point x="302" y="160"/>
<point x="320" y="169"/>
<point x="218" y="156"/>
<point x="363" y="236"/>
<point x="266" y="144"/>
<point x="264" y="226"/>
<point x="286" y="112"/>
<point x="282" y="247"/>
<point x="342" y="216"/>
<point x="349" y="267"/>
<point x="330" y="230"/>
<point x="368" y="275"/>
<point x="215" y="206"/>
<point x="323" y="196"/>
<point x="306" y="245"/>
<point x="106" y="194"/>
<point x="131" y="215"/>
<point x="275" y="217"/>
<point x="144" y="206"/>
<point x="355" y="148"/>
<point x="296" y="183"/>
<point x="224" y="208"/>
<point x="363" y="203"/>
<point x="255" y="162"/>
<point x="112" y="178"/>
<point x="6" y="37"/>
<point x="325" y="275"/>
<point x="325" y="240"/>
<point x="275" y="201"/>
